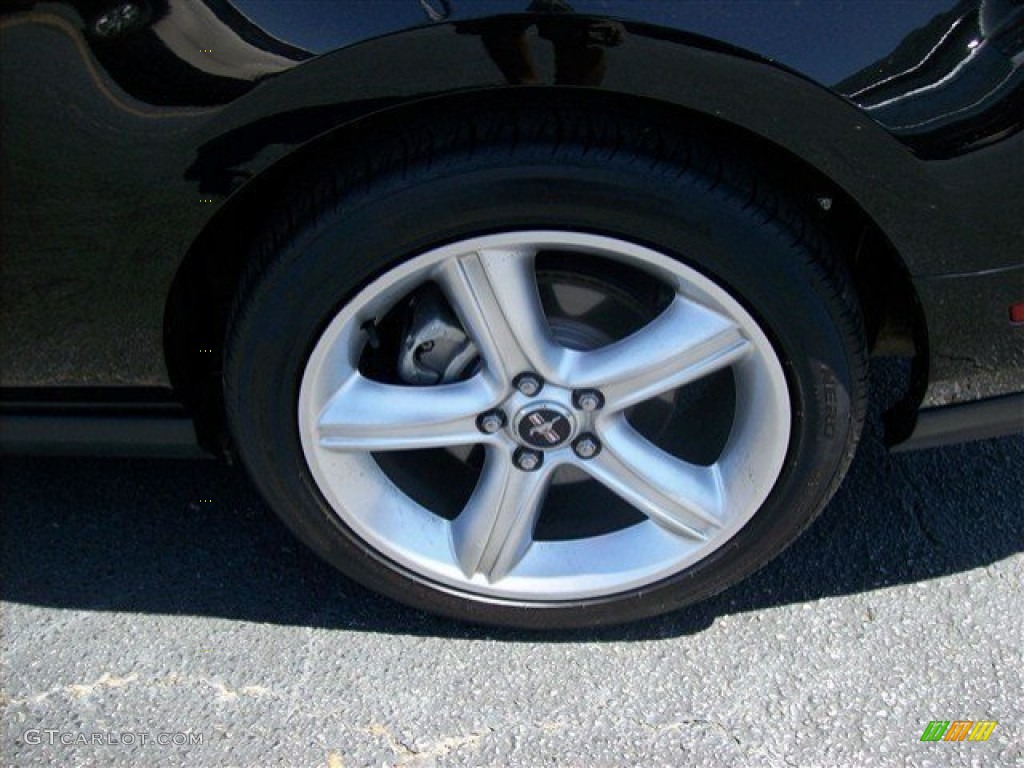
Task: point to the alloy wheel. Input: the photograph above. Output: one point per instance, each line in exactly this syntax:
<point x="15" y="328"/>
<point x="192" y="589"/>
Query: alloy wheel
<point x="541" y="411"/>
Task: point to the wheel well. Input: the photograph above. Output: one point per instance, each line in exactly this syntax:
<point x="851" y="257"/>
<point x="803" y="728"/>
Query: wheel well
<point x="210" y="276"/>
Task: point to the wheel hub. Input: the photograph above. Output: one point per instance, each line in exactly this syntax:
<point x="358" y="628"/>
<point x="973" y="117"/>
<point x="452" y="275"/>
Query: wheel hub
<point x="544" y="426"/>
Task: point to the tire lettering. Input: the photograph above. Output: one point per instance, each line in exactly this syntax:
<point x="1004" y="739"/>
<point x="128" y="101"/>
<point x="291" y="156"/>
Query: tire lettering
<point x="831" y="410"/>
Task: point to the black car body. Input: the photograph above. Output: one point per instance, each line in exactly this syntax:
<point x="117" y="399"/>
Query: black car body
<point x="142" y="140"/>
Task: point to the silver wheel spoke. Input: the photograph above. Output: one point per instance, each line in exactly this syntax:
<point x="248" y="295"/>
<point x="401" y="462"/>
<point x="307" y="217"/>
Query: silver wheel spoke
<point x="684" y="498"/>
<point x="365" y="415"/>
<point x="494" y="293"/>
<point x="682" y="344"/>
<point x="495" y="530"/>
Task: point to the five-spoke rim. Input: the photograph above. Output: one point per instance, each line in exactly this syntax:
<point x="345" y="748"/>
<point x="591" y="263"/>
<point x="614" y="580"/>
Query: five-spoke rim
<point x="537" y="406"/>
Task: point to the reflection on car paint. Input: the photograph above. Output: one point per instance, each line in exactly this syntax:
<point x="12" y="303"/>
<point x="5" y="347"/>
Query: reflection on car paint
<point x="168" y="108"/>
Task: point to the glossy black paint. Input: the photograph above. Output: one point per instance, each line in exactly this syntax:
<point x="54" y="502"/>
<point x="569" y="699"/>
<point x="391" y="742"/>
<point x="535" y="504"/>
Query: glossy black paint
<point x="137" y="149"/>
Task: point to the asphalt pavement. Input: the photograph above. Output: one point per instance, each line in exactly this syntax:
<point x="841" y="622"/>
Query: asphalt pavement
<point x="155" y="613"/>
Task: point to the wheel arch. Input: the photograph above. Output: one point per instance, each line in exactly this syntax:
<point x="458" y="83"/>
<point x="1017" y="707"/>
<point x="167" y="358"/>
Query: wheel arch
<point x="808" y="139"/>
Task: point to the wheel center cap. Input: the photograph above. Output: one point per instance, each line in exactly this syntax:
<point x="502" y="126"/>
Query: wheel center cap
<point x="544" y="425"/>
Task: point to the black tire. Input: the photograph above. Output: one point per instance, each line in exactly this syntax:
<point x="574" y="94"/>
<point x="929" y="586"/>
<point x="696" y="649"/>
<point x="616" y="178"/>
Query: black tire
<point x="567" y="169"/>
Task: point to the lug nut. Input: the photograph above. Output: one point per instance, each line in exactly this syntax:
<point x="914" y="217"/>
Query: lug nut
<point x="528" y="384"/>
<point x="586" y="446"/>
<point x="528" y="460"/>
<point x="588" y="399"/>
<point x="490" y="422"/>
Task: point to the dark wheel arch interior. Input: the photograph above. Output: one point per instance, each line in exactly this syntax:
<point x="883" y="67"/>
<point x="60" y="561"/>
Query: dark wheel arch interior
<point x="210" y="275"/>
